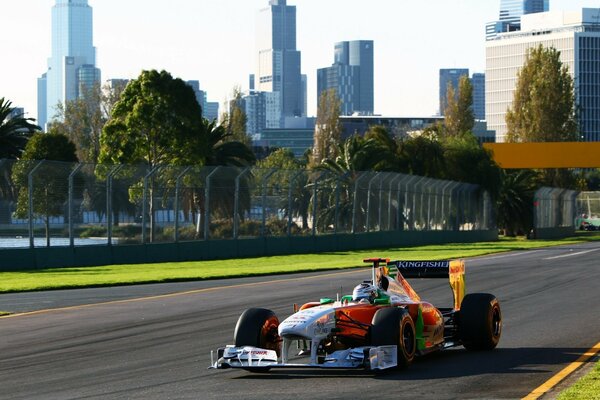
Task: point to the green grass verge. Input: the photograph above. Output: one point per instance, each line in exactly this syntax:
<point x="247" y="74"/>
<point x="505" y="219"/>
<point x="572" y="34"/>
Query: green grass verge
<point x="588" y="387"/>
<point x="63" y="278"/>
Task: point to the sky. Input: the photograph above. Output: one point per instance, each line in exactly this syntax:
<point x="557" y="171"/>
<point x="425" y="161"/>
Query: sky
<point x="213" y="41"/>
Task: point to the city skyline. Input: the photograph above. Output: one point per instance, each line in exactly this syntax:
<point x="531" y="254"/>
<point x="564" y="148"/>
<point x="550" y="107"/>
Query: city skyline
<point x="213" y="42"/>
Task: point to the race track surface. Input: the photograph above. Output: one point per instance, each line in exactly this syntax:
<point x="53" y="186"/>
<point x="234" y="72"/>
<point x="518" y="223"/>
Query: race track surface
<point x="139" y="347"/>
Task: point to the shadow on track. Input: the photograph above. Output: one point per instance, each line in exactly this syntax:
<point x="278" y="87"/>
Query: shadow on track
<point x="448" y="364"/>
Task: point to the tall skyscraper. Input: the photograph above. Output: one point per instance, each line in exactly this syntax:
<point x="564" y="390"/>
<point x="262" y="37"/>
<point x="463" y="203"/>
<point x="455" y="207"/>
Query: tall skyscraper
<point x="449" y="76"/>
<point x="478" y="84"/>
<point x="511" y="12"/>
<point x="72" y="64"/>
<point x="351" y="75"/>
<point x="575" y="35"/>
<point x="278" y="68"/>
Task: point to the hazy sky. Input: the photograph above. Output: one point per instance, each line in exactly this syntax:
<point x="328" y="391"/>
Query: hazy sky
<point x="212" y="41"/>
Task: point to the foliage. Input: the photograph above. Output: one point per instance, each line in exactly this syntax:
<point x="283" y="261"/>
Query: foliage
<point x="15" y="131"/>
<point x="153" y="123"/>
<point x="543" y="108"/>
<point x="467" y="161"/>
<point x="235" y="120"/>
<point x="327" y="128"/>
<point x="49" y="184"/>
<point x="458" y="116"/>
<point x="514" y="203"/>
<point x="82" y="119"/>
<point x="422" y="156"/>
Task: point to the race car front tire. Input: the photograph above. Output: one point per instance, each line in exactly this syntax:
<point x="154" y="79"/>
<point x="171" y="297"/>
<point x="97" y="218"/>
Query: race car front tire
<point x="257" y="327"/>
<point x="480" y="324"/>
<point x="394" y="326"/>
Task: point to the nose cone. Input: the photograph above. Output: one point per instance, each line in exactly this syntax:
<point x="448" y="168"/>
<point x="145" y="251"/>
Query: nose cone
<point x="310" y="323"/>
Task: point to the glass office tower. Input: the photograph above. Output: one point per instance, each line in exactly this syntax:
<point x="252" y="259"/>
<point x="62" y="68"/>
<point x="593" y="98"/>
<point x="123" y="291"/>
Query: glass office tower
<point x="72" y="64"/>
<point x="511" y="12"/>
<point x="278" y="67"/>
<point x="449" y="76"/>
<point x="351" y="75"/>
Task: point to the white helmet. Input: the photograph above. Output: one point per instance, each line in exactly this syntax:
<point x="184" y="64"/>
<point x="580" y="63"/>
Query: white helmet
<point x="364" y="291"/>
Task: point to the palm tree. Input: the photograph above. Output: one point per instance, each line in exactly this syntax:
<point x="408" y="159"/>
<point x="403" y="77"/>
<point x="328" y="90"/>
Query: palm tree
<point x="355" y="155"/>
<point x="214" y="148"/>
<point x="515" y="201"/>
<point x="14" y="131"/>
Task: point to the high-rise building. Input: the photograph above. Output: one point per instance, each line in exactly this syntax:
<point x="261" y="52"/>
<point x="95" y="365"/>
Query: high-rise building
<point x="351" y="75"/>
<point x="278" y="68"/>
<point x="511" y="12"/>
<point x="449" y="76"/>
<point x="72" y="64"/>
<point x="478" y="84"/>
<point x="576" y="36"/>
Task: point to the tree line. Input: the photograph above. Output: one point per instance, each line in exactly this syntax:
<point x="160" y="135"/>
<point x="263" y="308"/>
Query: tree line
<point x="155" y="120"/>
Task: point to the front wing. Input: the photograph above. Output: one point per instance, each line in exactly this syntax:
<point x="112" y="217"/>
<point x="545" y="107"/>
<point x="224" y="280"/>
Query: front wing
<point x="254" y="358"/>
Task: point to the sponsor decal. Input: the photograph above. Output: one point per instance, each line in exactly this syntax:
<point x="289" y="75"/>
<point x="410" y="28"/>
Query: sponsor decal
<point x="422" y="264"/>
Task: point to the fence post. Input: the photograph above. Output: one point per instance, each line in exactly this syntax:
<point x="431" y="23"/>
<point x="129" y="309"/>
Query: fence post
<point x="109" y="196"/>
<point x="144" y="201"/>
<point x="70" y="204"/>
<point x="369" y="200"/>
<point x="30" y="199"/>
<point x="389" y="222"/>
<point x="207" y="201"/>
<point x="356" y="184"/>
<point x="290" y="202"/>
<point x="176" y="208"/>
<point x="315" y="204"/>
<point x="263" y="191"/>
<point x="236" y="206"/>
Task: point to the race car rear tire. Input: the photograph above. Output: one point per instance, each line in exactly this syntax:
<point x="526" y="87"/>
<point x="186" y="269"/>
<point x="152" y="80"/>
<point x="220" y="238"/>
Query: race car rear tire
<point x="257" y="327"/>
<point x="394" y="326"/>
<point x="480" y="324"/>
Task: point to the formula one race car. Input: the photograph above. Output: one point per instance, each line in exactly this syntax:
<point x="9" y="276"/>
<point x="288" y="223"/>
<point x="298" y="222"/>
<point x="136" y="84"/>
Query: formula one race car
<point x="383" y="324"/>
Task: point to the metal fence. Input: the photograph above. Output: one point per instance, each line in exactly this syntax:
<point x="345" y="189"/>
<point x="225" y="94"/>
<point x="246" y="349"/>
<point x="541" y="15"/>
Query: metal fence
<point x="44" y="203"/>
<point x="588" y="211"/>
<point x="555" y="208"/>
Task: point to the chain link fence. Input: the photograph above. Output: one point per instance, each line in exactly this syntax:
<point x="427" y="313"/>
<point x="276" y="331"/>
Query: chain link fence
<point x="588" y="211"/>
<point x="555" y="208"/>
<point x="45" y="203"/>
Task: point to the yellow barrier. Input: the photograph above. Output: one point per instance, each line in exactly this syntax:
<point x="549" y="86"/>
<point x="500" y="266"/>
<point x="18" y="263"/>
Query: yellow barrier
<point x="546" y="155"/>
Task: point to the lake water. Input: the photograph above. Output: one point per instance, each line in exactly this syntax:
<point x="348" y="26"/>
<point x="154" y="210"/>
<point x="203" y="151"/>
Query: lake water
<point x="20" y="242"/>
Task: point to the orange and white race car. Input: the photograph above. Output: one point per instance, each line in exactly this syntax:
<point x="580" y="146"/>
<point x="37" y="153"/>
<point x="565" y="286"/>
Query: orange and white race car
<point x="383" y="324"/>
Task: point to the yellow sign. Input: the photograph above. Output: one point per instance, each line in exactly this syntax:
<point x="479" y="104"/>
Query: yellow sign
<point x="546" y="155"/>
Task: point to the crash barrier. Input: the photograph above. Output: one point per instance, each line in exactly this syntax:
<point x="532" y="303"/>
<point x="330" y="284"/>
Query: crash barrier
<point x="554" y="213"/>
<point x="54" y="204"/>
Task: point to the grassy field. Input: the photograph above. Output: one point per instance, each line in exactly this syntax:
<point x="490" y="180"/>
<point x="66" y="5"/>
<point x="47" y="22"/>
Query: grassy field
<point x="587" y="388"/>
<point x="63" y="278"/>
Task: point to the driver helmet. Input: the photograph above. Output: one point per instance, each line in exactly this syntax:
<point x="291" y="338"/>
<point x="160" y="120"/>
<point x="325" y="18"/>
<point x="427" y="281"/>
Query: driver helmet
<point x="364" y="291"/>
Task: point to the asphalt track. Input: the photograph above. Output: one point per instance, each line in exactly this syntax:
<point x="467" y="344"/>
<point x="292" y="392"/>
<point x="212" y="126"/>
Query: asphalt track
<point x="138" y="347"/>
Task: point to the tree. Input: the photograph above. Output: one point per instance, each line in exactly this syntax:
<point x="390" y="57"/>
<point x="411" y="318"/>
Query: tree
<point x="355" y="155"/>
<point x="458" y="116"/>
<point x="423" y="156"/>
<point x="235" y="120"/>
<point x="514" y="203"/>
<point x="327" y="128"/>
<point x="543" y="107"/>
<point x="154" y="123"/>
<point x="50" y="189"/>
<point x="15" y="131"/>
<point x="467" y="161"/>
<point x="289" y="174"/>
<point x="82" y="119"/>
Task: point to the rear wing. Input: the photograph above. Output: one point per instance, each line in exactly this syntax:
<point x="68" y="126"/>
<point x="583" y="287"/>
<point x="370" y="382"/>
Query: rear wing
<point x="453" y="270"/>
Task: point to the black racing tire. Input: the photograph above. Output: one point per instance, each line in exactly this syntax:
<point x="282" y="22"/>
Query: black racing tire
<point x="480" y="325"/>
<point x="394" y="326"/>
<point x="257" y="327"/>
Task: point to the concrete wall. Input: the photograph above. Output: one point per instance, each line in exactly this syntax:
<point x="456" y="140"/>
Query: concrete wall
<point x="56" y="257"/>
